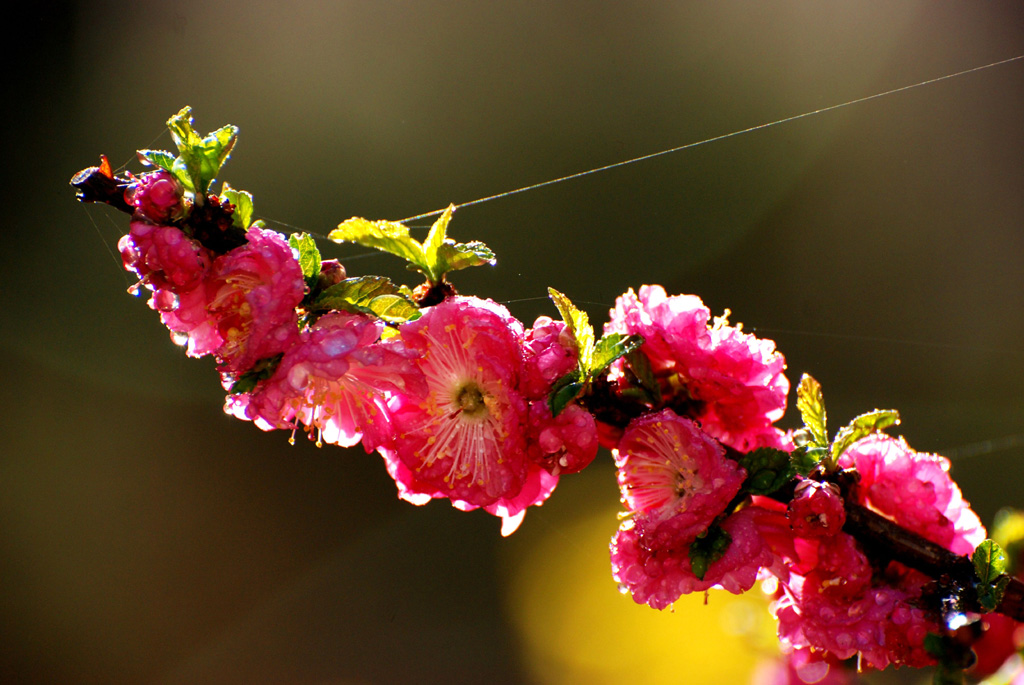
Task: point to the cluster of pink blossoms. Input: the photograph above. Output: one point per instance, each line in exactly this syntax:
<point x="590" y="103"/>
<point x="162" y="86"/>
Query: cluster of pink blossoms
<point x="464" y="403"/>
<point x="689" y="527"/>
<point x="456" y="402"/>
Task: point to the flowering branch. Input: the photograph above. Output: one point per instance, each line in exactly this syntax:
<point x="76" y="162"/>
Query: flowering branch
<point x="865" y="540"/>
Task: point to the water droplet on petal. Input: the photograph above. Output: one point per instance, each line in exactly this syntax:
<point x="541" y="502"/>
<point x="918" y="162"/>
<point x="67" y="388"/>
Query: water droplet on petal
<point x="166" y="300"/>
<point x="179" y="338"/>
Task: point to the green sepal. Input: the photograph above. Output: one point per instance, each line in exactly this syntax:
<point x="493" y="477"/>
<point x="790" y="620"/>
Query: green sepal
<point x="611" y="347"/>
<point x="579" y="324"/>
<point x="812" y="409"/>
<point x="990" y="595"/>
<point x="565" y="390"/>
<point x="242" y="216"/>
<point x="309" y="255"/>
<point x="199" y="158"/>
<point x="261" y="371"/>
<point x="161" y="159"/>
<point x="433" y="258"/>
<point x="861" y="426"/>
<point x="708" y="548"/>
<point x="768" y="469"/>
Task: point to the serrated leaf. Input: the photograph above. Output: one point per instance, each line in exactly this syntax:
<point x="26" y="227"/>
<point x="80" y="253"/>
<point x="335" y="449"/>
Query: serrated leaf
<point x="438" y="234"/>
<point x="812" y="409"/>
<point x="387" y="236"/>
<point x="860" y="427"/>
<point x="609" y="348"/>
<point x="768" y="469"/>
<point x="161" y="159"/>
<point x="394" y="308"/>
<point x="453" y="256"/>
<point x="242" y="218"/>
<point x="358" y="292"/>
<point x="579" y="323"/>
<point x="199" y="159"/>
<point x="806" y="458"/>
<point x="990" y="595"/>
<point x="563" y="391"/>
<point x="309" y="254"/>
<point x="989" y="561"/>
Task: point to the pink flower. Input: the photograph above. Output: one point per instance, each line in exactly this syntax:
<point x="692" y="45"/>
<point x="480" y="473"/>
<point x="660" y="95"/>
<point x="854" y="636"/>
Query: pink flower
<point x="333" y="381"/>
<point x="676" y="481"/>
<point x="157" y="196"/>
<point x="465" y="440"/>
<point x="668" y="467"/>
<point x="914" y="490"/>
<point x="566" y="443"/>
<point x="549" y="353"/>
<point x="651" y="561"/>
<point x="244" y="310"/>
<point x="164" y="257"/>
<point x="730" y="381"/>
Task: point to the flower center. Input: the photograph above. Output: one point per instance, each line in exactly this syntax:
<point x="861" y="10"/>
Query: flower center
<point x="471" y="400"/>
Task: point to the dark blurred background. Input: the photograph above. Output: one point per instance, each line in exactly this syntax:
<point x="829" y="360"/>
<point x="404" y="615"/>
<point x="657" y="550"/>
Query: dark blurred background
<point x="147" y="538"/>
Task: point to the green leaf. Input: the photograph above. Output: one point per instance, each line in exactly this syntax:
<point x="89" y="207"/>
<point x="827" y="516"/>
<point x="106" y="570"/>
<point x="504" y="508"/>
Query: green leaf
<point x="862" y="426"/>
<point x="394" y="308"/>
<point x="309" y="254"/>
<point x="990" y="595"/>
<point x="806" y="458"/>
<point x="609" y="348"/>
<point x="433" y="258"/>
<point x="640" y="366"/>
<point x="158" y="158"/>
<point x="768" y="469"/>
<point x="812" y="409"/>
<point x="438" y="234"/>
<point x="579" y="323"/>
<point x="565" y="390"/>
<point x="358" y="292"/>
<point x="708" y="548"/>
<point x="989" y="561"/>
<point x="199" y="159"/>
<point x="242" y="218"/>
<point x="387" y="236"/>
<point x="456" y="256"/>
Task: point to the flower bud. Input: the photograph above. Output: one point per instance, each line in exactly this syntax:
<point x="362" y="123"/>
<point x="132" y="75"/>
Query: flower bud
<point x="157" y="196"/>
<point x="816" y="510"/>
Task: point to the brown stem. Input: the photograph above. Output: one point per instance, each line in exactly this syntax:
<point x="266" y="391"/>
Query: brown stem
<point x="95" y="185"/>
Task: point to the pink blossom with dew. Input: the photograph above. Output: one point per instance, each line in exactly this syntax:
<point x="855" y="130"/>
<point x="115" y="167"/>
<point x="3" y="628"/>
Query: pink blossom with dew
<point x="650" y="559"/>
<point x="333" y="381"/>
<point x="549" y="352"/>
<point x="245" y="308"/>
<point x="465" y="440"/>
<point x="668" y="467"/>
<point x="164" y="257"/>
<point x="834" y="602"/>
<point x="732" y="382"/>
<point x="566" y="443"/>
<point x="915" y="490"/>
<point x="156" y="196"/>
